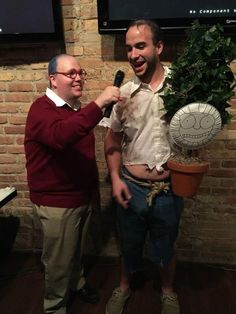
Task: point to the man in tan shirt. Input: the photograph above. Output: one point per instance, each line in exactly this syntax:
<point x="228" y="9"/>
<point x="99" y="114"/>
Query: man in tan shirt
<point x="137" y="149"/>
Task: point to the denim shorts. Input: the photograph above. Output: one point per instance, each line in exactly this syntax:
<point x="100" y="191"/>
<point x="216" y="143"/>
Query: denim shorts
<point x="159" y="222"/>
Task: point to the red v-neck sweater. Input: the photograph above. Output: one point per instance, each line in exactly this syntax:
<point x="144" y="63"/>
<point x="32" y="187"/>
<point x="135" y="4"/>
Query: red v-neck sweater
<point x="60" y="153"/>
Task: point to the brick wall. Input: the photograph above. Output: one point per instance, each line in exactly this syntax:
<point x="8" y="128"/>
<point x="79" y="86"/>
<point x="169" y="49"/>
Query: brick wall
<point x="208" y="226"/>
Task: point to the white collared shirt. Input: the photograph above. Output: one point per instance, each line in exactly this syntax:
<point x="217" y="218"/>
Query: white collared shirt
<point x="140" y="118"/>
<point x="59" y="102"/>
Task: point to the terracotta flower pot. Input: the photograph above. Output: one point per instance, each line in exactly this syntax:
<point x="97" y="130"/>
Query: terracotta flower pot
<point x="186" y="178"/>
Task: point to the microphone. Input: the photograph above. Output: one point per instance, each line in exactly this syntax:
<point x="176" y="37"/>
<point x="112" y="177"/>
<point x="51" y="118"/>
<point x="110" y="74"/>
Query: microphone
<point x="117" y="82"/>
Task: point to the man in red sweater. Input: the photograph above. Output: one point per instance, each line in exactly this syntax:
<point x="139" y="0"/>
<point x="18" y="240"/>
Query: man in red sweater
<point x="62" y="173"/>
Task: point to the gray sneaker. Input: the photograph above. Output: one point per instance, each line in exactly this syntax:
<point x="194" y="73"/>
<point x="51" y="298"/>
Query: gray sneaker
<point x="117" y="301"/>
<point x="170" y="303"/>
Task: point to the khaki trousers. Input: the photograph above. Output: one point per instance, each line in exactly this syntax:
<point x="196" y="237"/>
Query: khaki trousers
<point x="64" y="231"/>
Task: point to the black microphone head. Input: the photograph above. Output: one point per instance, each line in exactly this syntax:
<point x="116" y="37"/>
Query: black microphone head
<point x="117" y="82"/>
<point x="119" y="78"/>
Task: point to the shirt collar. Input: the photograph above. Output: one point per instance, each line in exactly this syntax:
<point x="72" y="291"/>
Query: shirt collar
<point x="59" y="102"/>
<point x="137" y="83"/>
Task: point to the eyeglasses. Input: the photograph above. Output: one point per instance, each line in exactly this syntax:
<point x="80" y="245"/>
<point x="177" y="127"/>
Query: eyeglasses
<point x="73" y="73"/>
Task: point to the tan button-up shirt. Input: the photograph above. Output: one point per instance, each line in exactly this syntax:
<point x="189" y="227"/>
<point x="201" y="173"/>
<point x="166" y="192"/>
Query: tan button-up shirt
<point x="140" y="118"/>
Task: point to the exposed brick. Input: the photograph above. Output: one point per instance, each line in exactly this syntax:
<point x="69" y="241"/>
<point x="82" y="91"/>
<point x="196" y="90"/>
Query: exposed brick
<point x="31" y="76"/>
<point x="231" y="145"/>
<point x="225" y="210"/>
<point x="229" y="164"/>
<point x="79" y="51"/>
<point x="6" y="140"/>
<point x="20" y="140"/>
<point x="41" y="87"/>
<point x="5" y="179"/>
<point x="232" y="101"/>
<point x="226" y="135"/>
<point x="3" y="87"/>
<point x="17" y="120"/>
<point x="14" y="129"/>
<point x="69" y="12"/>
<point x="67" y="2"/>
<point x="230" y="200"/>
<point x="70" y="24"/>
<point x="42" y="66"/>
<point x="208" y="222"/>
<point x="222" y="173"/>
<point x="21" y="186"/>
<point x="221" y="191"/>
<point x="11" y="169"/>
<point x="86" y="1"/>
<point x="91" y="25"/>
<point x="9" y="108"/>
<point x="91" y="85"/>
<point x="24" y="108"/>
<point x="6" y="76"/>
<point x="228" y="182"/>
<point x="88" y="11"/>
<point x="3" y="119"/>
<point x="16" y="150"/>
<point x="22" y="177"/>
<point x="71" y="37"/>
<point x="7" y="159"/>
<point x="20" y="87"/>
<point x="21" y="156"/>
<point x="232" y="125"/>
<point x="18" y="97"/>
<point x="204" y="190"/>
<point x="3" y="149"/>
<point x="212" y="181"/>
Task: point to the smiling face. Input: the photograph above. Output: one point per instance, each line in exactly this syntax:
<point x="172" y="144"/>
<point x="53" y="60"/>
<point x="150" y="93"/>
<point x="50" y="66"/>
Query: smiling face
<point x="65" y="87"/>
<point x="195" y="125"/>
<point x="142" y="53"/>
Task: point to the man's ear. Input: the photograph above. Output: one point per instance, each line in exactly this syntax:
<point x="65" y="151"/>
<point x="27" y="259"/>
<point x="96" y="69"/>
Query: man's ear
<point x="159" y="47"/>
<point x="52" y="80"/>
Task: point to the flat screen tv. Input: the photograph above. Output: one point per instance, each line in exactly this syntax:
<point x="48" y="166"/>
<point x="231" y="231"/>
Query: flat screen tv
<point x="174" y="15"/>
<point x="30" y="20"/>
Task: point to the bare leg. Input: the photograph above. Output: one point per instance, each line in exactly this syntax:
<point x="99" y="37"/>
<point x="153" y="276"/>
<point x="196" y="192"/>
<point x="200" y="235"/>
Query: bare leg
<point x="120" y="295"/>
<point x="124" y="278"/>
<point x="169" y="298"/>
<point x="167" y="276"/>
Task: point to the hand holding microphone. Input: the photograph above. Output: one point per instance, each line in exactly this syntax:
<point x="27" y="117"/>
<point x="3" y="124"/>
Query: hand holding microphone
<point x="110" y="95"/>
<point x="119" y="77"/>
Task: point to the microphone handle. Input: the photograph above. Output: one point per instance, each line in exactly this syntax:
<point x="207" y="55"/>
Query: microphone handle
<point x="117" y="82"/>
<point x="108" y="110"/>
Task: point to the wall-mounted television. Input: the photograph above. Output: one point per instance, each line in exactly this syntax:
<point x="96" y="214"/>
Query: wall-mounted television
<point x="30" y="20"/>
<point x="173" y="15"/>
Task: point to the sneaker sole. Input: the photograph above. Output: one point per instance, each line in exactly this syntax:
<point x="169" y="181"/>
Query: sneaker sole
<point x="123" y="307"/>
<point x="109" y="313"/>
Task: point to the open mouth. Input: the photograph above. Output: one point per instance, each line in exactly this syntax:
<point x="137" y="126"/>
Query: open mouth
<point x="138" y="66"/>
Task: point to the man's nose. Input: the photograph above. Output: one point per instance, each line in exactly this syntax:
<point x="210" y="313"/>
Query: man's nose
<point x="134" y="53"/>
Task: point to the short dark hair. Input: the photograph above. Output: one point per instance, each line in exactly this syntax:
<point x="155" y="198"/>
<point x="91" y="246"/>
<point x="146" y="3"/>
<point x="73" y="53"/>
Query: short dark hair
<point x="157" y="33"/>
<point x="52" y="65"/>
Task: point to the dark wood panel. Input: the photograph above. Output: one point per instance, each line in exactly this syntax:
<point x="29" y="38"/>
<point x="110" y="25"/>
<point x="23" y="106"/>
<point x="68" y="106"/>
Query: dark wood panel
<point x="202" y="289"/>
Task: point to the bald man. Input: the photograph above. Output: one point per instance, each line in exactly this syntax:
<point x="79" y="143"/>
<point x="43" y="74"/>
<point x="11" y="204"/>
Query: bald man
<point x="62" y="173"/>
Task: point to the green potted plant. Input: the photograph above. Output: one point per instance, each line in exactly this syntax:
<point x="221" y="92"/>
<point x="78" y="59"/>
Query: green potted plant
<point x="200" y="75"/>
